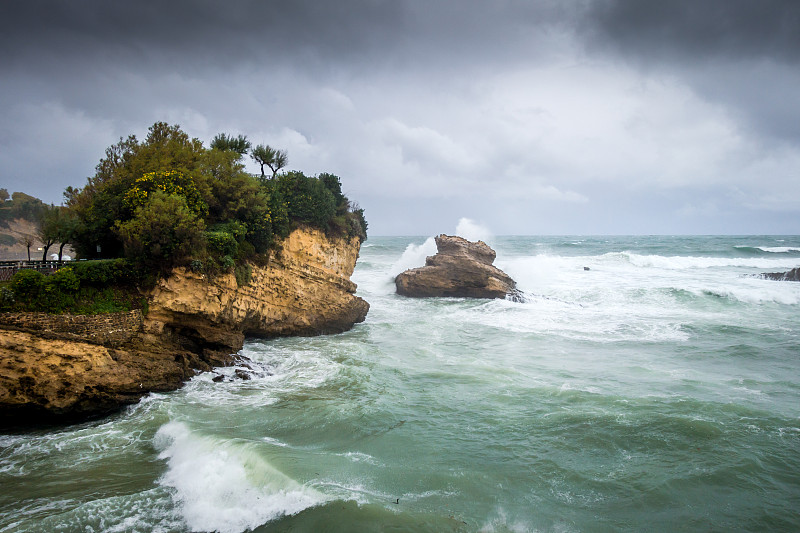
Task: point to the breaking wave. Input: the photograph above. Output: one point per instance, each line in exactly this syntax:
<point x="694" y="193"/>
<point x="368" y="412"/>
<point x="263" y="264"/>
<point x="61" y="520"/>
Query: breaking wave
<point x="225" y="485"/>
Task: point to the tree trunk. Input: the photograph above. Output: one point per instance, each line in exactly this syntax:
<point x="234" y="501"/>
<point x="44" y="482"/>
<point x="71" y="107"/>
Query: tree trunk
<point x="61" y="251"/>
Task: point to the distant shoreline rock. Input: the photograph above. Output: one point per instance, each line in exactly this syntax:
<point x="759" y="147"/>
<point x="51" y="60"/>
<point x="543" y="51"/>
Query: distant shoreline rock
<point x="792" y="275"/>
<point x="461" y="269"/>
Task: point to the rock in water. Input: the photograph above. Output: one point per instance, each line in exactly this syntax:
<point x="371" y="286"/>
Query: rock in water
<point x="460" y="268"/>
<point x="792" y="275"/>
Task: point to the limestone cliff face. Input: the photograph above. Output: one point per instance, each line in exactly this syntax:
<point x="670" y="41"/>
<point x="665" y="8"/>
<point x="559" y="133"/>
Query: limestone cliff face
<point x="47" y="377"/>
<point x="55" y="367"/>
<point x="304" y="290"/>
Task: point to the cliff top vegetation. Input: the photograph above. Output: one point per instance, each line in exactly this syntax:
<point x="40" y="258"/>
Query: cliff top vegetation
<point x="170" y="201"/>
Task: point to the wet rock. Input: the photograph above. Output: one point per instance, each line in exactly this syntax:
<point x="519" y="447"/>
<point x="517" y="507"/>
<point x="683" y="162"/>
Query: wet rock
<point x="792" y="275"/>
<point x="242" y="374"/>
<point x="460" y="268"/>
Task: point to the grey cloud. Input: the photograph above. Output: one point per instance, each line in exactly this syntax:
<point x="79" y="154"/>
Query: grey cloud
<point x="303" y="33"/>
<point x="691" y="30"/>
<point x="535" y="117"/>
<point x="741" y="54"/>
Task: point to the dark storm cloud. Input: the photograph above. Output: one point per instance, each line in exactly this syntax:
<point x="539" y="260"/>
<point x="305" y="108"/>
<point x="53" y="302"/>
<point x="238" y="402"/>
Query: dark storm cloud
<point x="192" y="31"/>
<point x="742" y="54"/>
<point x="534" y="116"/>
<point x="210" y="33"/>
<point x="697" y="30"/>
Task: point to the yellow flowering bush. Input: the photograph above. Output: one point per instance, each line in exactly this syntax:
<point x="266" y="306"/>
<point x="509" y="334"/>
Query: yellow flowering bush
<point x="169" y="182"/>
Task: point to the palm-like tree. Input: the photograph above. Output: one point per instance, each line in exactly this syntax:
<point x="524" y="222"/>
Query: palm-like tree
<point x="263" y="154"/>
<point x="239" y="144"/>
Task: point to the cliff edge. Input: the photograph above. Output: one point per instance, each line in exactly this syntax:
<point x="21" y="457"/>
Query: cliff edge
<point x="62" y="366"/>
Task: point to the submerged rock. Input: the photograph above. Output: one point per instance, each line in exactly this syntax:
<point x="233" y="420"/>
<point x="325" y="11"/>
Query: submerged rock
<point x="792" y="275"/>
<point x="460" y="268"/>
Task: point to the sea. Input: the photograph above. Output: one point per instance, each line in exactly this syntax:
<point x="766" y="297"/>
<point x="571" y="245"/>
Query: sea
<point x="645" y="383"/>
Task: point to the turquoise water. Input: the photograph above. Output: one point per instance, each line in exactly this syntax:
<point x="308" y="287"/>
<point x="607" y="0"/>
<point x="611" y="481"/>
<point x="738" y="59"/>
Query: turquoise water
<point x="659" y="390"/>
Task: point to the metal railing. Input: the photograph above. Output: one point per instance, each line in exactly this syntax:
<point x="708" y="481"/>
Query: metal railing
<point x="9" y="268"/>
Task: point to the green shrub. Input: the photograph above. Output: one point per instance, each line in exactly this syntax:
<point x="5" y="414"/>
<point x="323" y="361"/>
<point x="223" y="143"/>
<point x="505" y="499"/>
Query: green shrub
<point x="307" y="199"/>
<point x="243" y="273"/>
<point x="28" y="286"/>
<point x="64" y="280"/>
<point x="226" y="263"/>
<point x="339" y="224"/>
<point x="246" y="250"/>
<point x="104" y="272"/>
<point x="234" y="227"/>
<point x="7" y="299"/>
<point x="95" y="301"/>
<point x="221" y="243"/>
<point x="357" y="224"/>
<point x="162" y="233"/>
<point x="334" y="184"/>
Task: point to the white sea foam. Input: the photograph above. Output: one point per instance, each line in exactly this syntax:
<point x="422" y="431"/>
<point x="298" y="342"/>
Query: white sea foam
<point x="226" y="486"/>
<point x="414" y="256"/>
<point x="473" y="231"/>
<point x="148" y="511"/>
<point x="693" y="262"/>
<point x="358" y="457"/>
<point x="500" y="522"/>
<point x="773" y="249"/>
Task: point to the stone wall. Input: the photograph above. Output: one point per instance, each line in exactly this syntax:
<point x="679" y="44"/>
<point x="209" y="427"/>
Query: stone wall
<point x="108" y="328"/>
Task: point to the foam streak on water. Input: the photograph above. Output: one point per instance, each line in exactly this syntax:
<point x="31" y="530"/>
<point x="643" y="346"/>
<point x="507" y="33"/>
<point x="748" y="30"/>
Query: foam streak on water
<point x="659" y="389"/>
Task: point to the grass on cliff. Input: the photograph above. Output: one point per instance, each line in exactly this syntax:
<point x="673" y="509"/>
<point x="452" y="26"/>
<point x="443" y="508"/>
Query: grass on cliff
<point x="84" y="288"/>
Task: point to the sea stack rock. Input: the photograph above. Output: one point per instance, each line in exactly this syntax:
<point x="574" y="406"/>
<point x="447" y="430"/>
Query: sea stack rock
<point x="460" y="268"/>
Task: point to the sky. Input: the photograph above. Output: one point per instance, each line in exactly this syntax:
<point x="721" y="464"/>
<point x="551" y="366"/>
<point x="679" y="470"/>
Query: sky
<point x="528" y="117"/>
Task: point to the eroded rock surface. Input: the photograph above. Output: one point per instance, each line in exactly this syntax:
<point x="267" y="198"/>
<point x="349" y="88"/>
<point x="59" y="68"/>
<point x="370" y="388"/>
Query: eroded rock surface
<point x="460" y="268"/>
<point x="792" y="275"/>
<point x="50" y="370"/>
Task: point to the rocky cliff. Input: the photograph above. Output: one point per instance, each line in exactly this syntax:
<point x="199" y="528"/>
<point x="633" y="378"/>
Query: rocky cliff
<point x="460" y="268"/>
<point x="61" y="367"/>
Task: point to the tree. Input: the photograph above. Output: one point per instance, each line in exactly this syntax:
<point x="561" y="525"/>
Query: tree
<point x="334" y="184"/>
<point x="307" y="199"/>
<point x="26" y="207"/>
<point x="224" y="142"/>
<point x="48" y="229"/>
<point x="4" y="195"/>
<point x="274" y="159"/>
<point x="162" y="233"/>
<point x="28" y="241"/>
<point x="101" y="203"/>
<point x="65" y="226"/>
